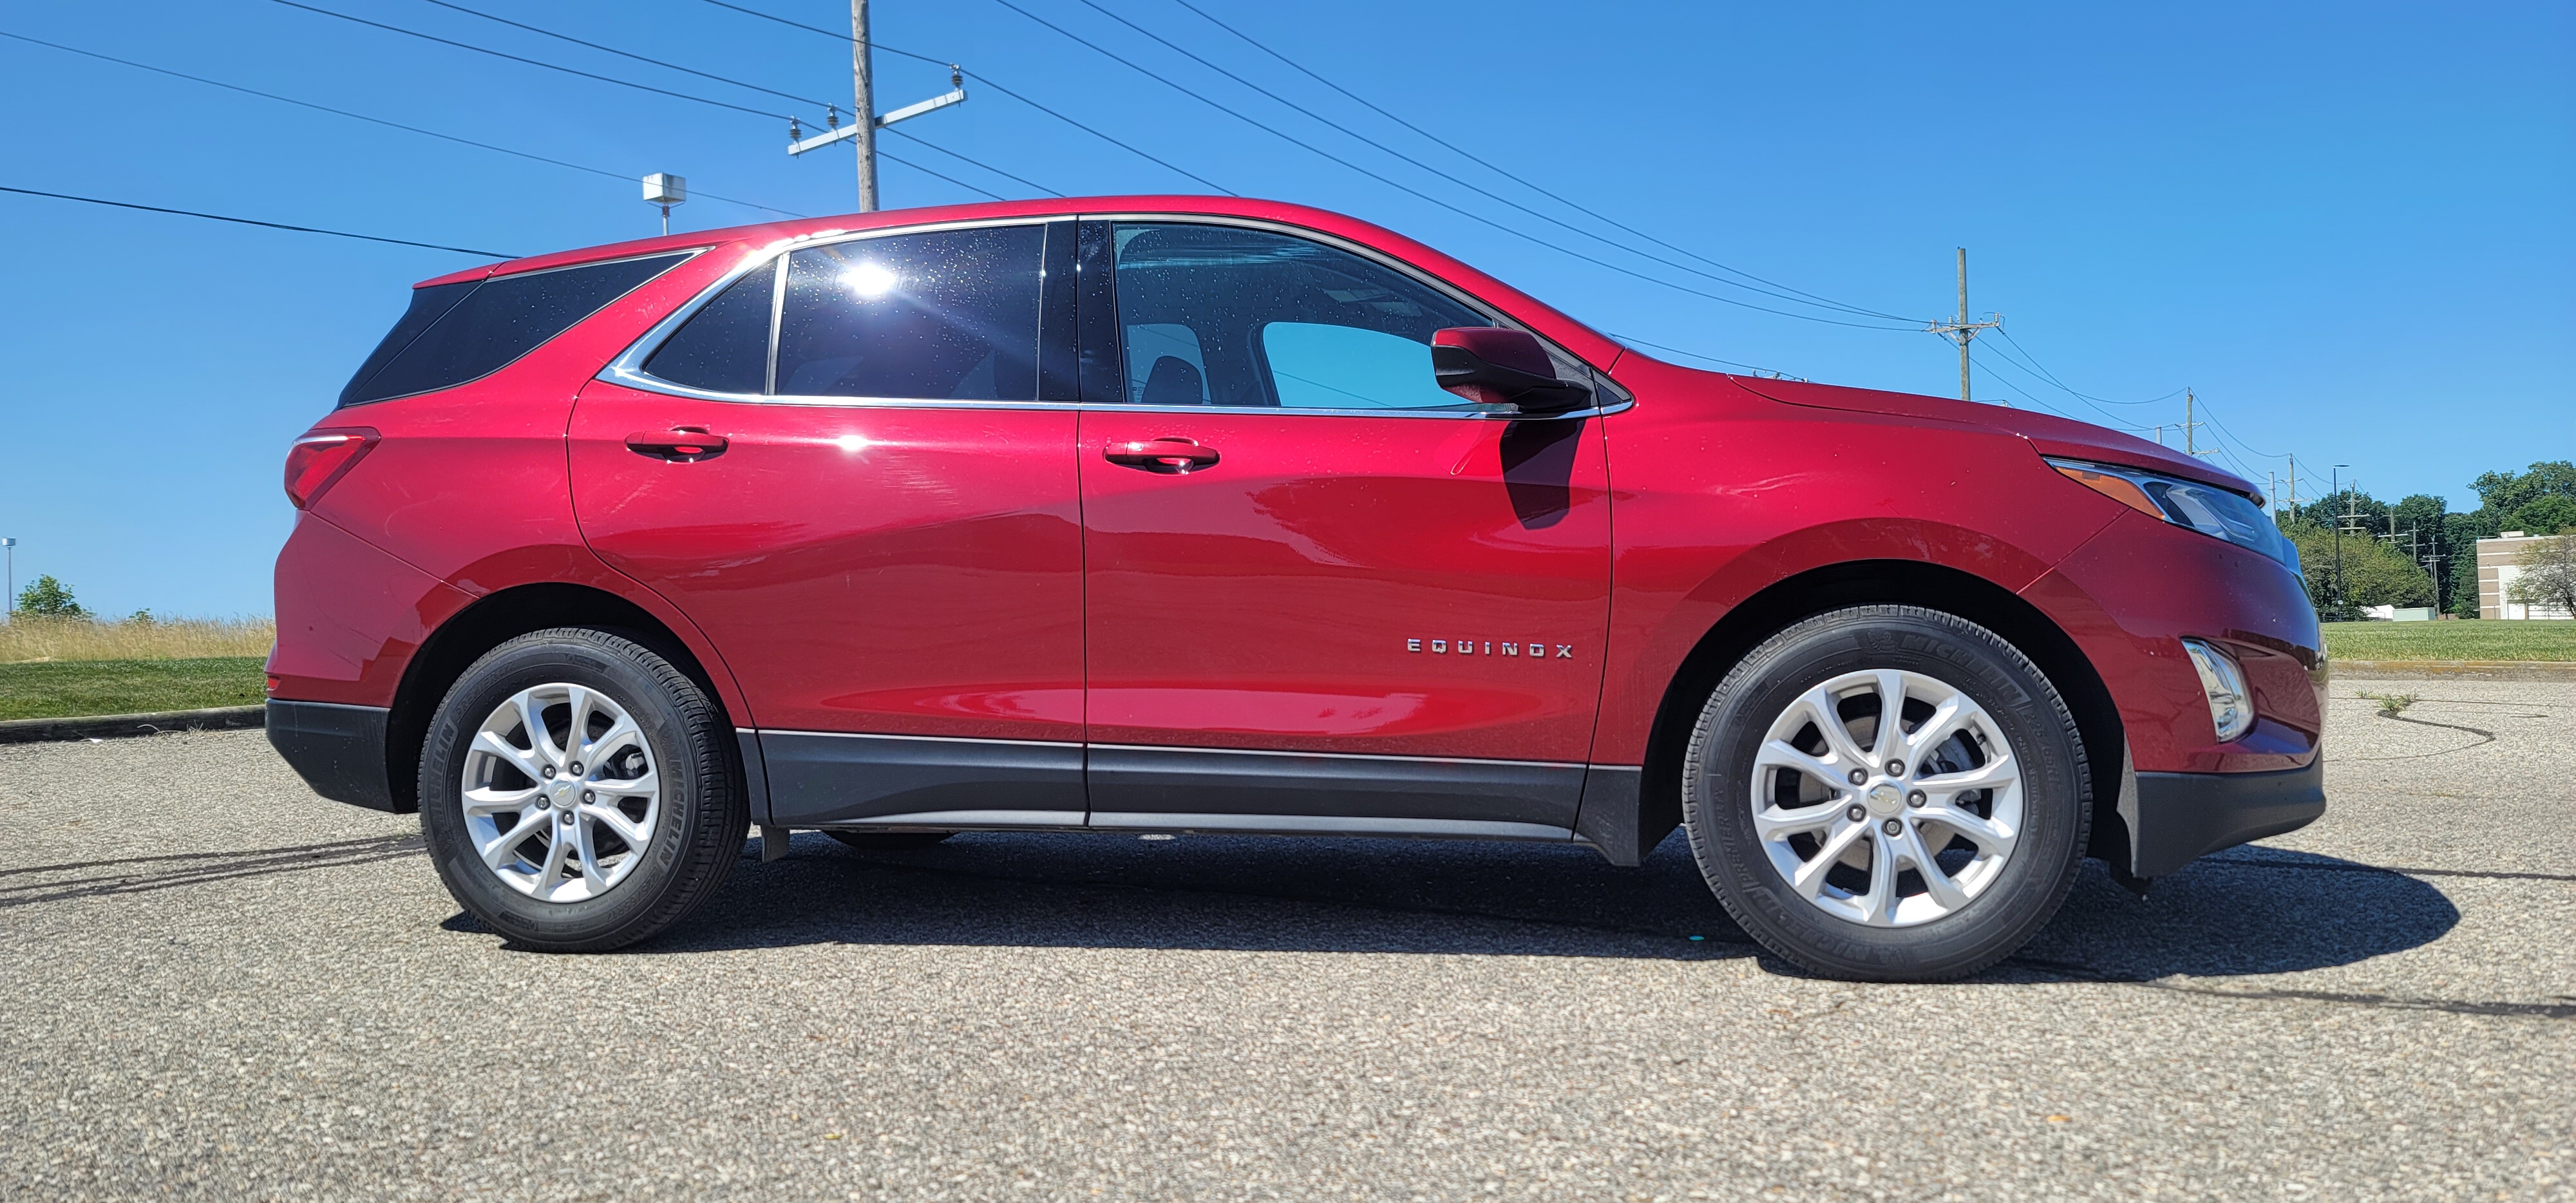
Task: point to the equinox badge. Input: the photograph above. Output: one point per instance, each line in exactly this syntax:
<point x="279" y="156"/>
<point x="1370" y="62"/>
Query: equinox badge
<point x="1471" y="647"/>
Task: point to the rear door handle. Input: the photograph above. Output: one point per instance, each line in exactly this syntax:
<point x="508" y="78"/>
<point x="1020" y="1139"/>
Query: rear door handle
<point x="1170" y="454"/>
<point x="680" y="444"/>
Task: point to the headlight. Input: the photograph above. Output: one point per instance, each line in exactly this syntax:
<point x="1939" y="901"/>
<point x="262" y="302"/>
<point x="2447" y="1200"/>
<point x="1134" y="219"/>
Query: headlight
<point x="2212" y="511"/>
<point x="2230" y="710"/>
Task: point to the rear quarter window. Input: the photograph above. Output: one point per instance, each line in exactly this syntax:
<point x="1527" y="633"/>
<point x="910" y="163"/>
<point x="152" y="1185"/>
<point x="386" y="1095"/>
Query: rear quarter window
<point x="455" y="333"/>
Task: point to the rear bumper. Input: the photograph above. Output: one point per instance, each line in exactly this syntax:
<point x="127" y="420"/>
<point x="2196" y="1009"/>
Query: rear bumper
<point x="339" y="750"/>
<point x="2174" y="818"/>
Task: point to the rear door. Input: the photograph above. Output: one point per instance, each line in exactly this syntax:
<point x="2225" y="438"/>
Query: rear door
<point x="842" y="469"/>
<point x="1322" y="593"/>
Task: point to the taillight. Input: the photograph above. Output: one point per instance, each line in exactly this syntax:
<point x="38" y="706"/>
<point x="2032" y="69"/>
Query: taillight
<point x="321" y="458"/>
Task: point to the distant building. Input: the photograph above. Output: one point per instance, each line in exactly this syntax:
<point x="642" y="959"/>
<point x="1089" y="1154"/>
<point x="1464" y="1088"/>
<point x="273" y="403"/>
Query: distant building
<point x="2499" y="562"/>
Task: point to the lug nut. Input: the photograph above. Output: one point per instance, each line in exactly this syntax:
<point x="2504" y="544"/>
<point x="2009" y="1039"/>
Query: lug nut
<point x="1915" y="799"/>
<point x="1856" y="814"/>
<point x="1895" y="768"/>
<point x="588" y="796"/>
<point x="1858" y="776"/>
<point x="574" y="768"/>
<point x="1895" y="828"/>
<point x="549" y="771"/>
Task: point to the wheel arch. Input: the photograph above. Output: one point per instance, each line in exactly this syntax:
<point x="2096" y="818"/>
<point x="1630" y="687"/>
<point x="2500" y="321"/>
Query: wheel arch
<point x="1882" y="582"/>
<point x="497" y="618"/>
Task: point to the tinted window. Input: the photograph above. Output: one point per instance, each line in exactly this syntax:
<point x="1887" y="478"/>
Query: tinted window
<point x="1226" y="316"/>
<point x="427" y="306"/>
<point x="724" y="347"/>
<point x="947" y="315"/>
<point x="500" y="320"/>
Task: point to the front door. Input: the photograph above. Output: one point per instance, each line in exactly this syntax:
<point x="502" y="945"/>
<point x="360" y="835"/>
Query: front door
<point x="1322" y="593"/>
<point x="875" y="523"/>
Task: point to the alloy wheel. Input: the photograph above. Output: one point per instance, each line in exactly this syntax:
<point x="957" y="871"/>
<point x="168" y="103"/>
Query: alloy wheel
<point x="1886" y="798"/>
<point x="561" y="792"/>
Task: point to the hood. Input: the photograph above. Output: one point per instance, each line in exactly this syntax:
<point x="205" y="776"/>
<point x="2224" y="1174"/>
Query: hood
<point x="2047" y="433"/>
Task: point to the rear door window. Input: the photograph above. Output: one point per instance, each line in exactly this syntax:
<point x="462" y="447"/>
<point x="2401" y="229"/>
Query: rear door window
<point x="490" y="325"/>
<point x="944" y="315"/>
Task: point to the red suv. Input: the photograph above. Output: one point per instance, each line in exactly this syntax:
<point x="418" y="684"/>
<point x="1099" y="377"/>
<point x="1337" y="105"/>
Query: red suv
<point x="1178" y="514"/>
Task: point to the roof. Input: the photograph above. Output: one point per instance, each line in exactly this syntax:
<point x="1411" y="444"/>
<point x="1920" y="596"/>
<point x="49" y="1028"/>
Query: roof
<point x="1545" y="318"/>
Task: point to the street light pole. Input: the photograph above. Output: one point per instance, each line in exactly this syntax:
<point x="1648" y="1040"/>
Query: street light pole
<point x="2335" y="482"/>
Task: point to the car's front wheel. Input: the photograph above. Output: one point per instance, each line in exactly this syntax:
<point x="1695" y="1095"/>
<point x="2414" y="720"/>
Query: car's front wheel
<point x="1888" y="793"/>
<point x="578" y="791"/>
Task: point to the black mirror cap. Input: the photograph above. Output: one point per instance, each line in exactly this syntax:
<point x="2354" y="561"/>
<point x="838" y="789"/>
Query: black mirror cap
<point x="1493" y="366"/>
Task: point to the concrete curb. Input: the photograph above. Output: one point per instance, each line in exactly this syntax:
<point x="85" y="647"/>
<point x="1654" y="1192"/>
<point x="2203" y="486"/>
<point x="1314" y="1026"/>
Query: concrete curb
<point x="112" y="726"/>
<point x="2452" y="670"/>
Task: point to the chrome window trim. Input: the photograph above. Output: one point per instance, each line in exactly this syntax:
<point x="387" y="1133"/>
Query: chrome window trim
<point x="628" y="371"/>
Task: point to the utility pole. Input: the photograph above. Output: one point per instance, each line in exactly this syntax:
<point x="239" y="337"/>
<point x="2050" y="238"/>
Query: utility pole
<point x="863" y="102"/>
<point x="2190" y="444"/>
<point x="2294" y="490"/>
<point x="862" y="130"/>
<point x="1963" y="330"/>
<point x="10" y="547"/>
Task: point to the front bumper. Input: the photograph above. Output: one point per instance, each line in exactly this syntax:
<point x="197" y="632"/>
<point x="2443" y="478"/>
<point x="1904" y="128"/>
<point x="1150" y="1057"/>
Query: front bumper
<point x="338" y="750"/>
<point x="2175" y="818"/>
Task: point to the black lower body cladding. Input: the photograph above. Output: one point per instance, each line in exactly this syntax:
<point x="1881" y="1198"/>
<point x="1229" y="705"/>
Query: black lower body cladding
<point x="339" y="750"/>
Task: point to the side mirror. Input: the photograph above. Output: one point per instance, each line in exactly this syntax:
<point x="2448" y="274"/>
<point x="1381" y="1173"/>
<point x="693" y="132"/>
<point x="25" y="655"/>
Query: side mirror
<point x="1492" y="366"/>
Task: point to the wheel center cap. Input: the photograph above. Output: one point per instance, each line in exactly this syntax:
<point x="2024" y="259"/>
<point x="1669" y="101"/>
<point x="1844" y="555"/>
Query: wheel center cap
<point x="563" y="790"/>
<point x="1885" y="799"/>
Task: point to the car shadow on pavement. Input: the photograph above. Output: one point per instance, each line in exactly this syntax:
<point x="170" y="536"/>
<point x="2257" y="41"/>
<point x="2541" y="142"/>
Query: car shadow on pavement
<point x="2248" y="911"/>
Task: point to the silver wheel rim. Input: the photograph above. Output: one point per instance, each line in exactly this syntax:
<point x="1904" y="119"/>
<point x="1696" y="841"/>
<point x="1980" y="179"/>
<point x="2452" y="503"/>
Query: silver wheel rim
<point x="1886" y="824"/>
<point x="562" y="793"/>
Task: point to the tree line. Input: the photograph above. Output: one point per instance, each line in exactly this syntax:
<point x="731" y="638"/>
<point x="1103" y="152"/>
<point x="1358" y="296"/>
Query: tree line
<point x="2390" y="550"/>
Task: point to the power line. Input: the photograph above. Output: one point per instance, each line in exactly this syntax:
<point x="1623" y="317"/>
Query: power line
<point x="606" y="79"/>
<point x="989" y="82"/>
<point x="963" y="159"/>
<point x="1480" y="191"/>
<point x="2051" y="377"/>
<point x="1639" y="342"/>
<point x="871" y="43"/>
<point x="414" y="129"/>
<point x="625" y="54"/>
<point x="1489" y="166"/>
<point x="1415" y="192"/>
<point x="92" y="200"/>
<point x="2111" y="420"/>
<point x="939" y="175"/>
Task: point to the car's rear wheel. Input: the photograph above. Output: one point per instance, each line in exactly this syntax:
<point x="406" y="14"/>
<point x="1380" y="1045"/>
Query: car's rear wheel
<point x="888" y="841"/>
<point x="1917" y="849"/>
<point x="578" y="791"/>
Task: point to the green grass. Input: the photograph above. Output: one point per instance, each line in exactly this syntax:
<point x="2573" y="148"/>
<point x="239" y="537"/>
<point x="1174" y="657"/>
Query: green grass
<point x="2487" y="639"/>
<point x="69" y="688"/>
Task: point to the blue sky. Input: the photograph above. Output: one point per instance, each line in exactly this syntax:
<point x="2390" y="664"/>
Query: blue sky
<point x="2346" y="226"/>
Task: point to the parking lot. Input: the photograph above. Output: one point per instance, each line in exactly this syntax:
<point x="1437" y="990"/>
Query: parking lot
<point x="218" y="984"/>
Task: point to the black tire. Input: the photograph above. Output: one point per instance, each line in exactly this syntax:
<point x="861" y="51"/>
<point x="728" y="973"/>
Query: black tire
<point x="695" y="841"/>
<point x="2034" y="879"/>
<point x="888" y="841"/>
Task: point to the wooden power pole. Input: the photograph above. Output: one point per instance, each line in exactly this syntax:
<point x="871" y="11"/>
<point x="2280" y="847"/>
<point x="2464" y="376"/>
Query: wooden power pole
<point x="1963" y="330"/>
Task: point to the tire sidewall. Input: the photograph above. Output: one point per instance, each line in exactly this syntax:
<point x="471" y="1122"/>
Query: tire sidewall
<point x="594" y="663"/>
<point x="2056" y="792"/>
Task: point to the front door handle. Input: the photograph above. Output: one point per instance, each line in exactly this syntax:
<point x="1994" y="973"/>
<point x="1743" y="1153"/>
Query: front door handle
<point x="680" y="444"/>
<point x="1170" y="454"/>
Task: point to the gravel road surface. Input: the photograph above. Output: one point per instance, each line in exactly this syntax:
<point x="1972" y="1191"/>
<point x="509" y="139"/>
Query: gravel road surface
<point x="219" y="985"/>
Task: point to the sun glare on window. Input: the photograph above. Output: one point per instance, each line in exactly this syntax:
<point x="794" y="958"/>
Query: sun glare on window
<point x="869" y="281"/>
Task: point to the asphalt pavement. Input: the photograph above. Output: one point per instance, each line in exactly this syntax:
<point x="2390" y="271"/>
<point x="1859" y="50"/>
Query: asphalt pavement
<point x="216" y="984"/>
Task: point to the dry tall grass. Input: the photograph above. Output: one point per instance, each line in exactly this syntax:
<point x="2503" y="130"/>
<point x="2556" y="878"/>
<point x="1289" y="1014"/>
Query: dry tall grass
<point x="29" y="639"/>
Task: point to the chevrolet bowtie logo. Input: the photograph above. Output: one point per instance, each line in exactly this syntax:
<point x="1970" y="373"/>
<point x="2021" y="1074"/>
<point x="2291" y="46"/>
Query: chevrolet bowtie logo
<point x="1487" y="647"/>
